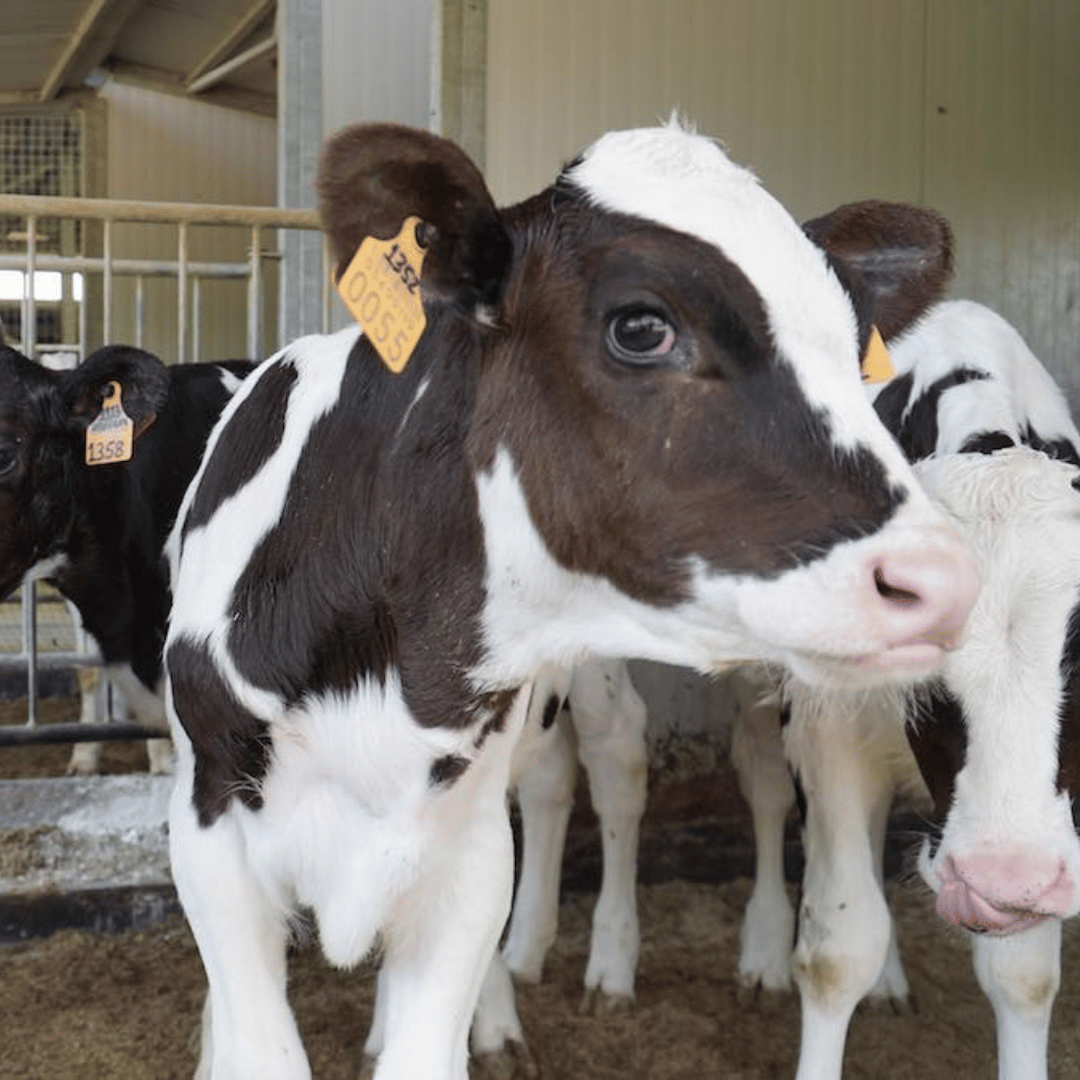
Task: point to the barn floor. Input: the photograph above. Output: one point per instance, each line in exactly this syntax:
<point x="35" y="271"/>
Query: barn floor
<point x="124" y="1005"/>
<point x="101" y="1007"/>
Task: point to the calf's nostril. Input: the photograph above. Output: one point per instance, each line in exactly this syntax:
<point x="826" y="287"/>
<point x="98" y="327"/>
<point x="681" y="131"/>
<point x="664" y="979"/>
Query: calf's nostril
<point x="894" y="592"/>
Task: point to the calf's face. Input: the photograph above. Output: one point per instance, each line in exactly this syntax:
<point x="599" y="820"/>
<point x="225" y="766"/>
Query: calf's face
<point x="998" y="740"/>
<point x="669" y="400"/>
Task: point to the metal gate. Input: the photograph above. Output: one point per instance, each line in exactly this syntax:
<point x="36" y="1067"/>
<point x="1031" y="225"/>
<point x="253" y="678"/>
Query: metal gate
<point x="36" y="628"/>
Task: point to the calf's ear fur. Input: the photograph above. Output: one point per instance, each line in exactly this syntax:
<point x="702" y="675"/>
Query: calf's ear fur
<point x="143" y="379"/>
<point x="373" y="176"/>
<point x="902" y="255"/>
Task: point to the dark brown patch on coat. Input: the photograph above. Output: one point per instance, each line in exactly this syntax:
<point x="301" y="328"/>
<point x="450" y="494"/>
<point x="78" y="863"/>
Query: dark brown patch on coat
<point x="232" y="746"/>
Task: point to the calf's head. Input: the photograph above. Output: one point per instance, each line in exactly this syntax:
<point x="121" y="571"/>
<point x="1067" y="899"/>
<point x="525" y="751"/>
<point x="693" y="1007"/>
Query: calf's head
<point x="43" y="420"/>
<point x="667" y="400"/>
<point x="998" y="737"/>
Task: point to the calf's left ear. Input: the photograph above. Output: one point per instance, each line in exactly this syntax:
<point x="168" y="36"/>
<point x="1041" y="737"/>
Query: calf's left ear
<point x="901" y="254"/>
<point x="143" y="380"/>
<point x="374" y="176"/>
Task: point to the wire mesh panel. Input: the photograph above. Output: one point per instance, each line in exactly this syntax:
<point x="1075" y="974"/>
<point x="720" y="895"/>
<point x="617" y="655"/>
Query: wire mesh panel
<point x="40" y="154"/>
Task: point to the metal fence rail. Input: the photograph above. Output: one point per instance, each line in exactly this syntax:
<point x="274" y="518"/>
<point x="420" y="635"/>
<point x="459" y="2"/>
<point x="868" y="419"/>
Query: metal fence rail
<point x="262" y="222"/>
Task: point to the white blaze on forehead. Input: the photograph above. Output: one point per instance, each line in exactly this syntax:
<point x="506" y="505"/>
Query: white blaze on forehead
<point x="686" y="182"/>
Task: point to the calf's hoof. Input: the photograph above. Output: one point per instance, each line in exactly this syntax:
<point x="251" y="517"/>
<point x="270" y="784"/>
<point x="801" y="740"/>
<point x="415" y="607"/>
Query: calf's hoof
<point x="511" y="1062"/>
<point x="752" y="993"/>
<point x="598" y="1002"/>
<point x="85" y="759"/>
<point x="888" y="1005"/>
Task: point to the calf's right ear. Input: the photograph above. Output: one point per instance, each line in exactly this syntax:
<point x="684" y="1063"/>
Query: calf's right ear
<point x="374" y="176"/>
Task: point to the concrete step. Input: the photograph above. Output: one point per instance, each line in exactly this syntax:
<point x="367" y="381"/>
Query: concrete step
<point x="89" y="852"/>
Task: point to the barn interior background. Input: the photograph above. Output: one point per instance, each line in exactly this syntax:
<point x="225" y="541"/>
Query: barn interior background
<point x="968" y="106"/>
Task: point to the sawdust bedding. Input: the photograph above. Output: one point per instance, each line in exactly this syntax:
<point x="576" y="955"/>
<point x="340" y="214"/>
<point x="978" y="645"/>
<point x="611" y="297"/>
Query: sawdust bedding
<point x="87" y="1006"/>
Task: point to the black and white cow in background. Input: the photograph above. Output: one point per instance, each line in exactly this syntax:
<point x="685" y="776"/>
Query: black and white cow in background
<point x="996" y="736"/>
<point x="633" y="425"/>
<point x="97" y="532"/>
<point x="1002" y="732"/>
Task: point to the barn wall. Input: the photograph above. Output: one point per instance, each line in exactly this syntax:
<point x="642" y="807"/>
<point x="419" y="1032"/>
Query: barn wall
<point x="166" y="148"/>
<point x="377" y="61"/>
<point x="1003" y="163"/>
<point x="968" y="106"/>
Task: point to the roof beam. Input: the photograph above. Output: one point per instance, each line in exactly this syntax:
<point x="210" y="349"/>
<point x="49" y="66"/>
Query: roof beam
<point x="225" y="45"/>
<point x="232" y="97"/>
<point x="99" y="26"/>
<point x="248" y="56"/>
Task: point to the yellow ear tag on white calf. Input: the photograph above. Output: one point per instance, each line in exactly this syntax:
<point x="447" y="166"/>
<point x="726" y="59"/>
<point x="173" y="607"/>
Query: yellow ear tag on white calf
<point x="110" y="436"/>
<point x="876" y="365"/>
<point x="381" y="287"/>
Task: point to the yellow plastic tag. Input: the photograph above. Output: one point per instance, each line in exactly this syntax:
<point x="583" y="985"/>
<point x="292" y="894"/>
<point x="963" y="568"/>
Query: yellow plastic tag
<point x="876" y="365"/>
<point x="110" y="435"/>
<point x="381" y="287"/>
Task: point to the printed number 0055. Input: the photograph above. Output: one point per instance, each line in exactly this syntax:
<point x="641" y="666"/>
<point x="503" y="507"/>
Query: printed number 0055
<point x="366" y="303"/>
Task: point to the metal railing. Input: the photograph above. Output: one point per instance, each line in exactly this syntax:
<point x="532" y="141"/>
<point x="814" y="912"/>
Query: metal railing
<point x="107" y="267"/>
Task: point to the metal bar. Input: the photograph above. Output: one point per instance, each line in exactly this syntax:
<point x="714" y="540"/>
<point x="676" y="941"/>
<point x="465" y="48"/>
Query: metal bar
<point x="181" y="293"/>
<point x="51" y="659"/>
<point x="147" y="267"/>
<point x="140" y="299"/>
<point x="82" y="321"/>
<point x="29" y="629"/>
<point x="196" y="316"/>
<point x="30" y="290"/>
<point x="326" y="291"/>
<point x="24" y="735"/>
<point x="134" y="210"/>
<point x="106" y="283"/>
<point x="254" y="335"/>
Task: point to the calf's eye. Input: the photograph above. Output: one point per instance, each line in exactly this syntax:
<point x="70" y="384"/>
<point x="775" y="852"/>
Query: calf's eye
<point x="8" y="459"/>
<point x="642" y="337"/>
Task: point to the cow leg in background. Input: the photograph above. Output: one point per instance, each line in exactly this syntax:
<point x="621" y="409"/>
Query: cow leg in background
<point x="610" y="720"/>
<point x="148" y="708"/>
<point x="86" y="756"/>
<point x="241" y="936"/>
<point x="844" y="922"/>
<point x="545" y="767"/>
<point x="545" y="796"/>
<point x="1020" y="974"/>
<point x="757" y="752"/>
<point x="891" y="990"/>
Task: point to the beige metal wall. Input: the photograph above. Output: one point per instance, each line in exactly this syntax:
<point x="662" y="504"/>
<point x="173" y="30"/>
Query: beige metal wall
<point x="167" y="148"/>
<point x="1003" y="162"/>
<point x="967" y="105"/>
<point x="377" y="61"/>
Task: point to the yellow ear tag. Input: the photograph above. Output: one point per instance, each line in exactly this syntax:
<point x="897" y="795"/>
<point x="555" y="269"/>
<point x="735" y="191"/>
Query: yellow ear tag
<point x="876" y="365"/>
<point x="110" y="436"/>
<point x="381" y="287"/>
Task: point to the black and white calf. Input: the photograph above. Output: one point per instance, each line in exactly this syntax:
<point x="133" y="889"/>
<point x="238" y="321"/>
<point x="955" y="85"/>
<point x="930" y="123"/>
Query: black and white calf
<point x="97" y="531"/>
<point x="997" y="735"/>
<point x="633" y="426"/>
